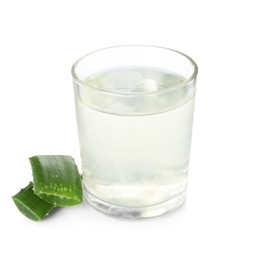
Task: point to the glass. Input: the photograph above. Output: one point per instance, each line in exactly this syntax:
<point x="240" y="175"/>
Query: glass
<point x="134" y="107"/>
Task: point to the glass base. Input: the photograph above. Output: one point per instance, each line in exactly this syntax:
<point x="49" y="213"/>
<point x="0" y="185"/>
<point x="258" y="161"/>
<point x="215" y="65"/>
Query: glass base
<point x="135" y="213"/>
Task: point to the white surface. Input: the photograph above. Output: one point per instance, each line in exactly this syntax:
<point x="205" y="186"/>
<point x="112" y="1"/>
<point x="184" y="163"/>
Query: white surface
<point x="39" y="42"/>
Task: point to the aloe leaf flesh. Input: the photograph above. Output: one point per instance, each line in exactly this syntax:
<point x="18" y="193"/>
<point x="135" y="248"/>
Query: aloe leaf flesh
<point x="56" y="179"/>
<point x="31" y="205"/>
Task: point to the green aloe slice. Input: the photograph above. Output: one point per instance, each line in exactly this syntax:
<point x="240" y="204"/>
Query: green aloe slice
<point x="31" y="205"/>
<point x="56" y="179"/>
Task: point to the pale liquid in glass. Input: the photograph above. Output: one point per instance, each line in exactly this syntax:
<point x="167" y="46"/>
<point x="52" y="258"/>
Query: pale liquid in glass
<point x="135" y="160"/>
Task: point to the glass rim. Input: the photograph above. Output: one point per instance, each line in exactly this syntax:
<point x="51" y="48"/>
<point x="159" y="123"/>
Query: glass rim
<point x="179" y="85"/>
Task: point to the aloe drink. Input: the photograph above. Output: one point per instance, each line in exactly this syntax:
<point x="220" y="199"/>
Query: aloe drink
<point x="134" y="152"/>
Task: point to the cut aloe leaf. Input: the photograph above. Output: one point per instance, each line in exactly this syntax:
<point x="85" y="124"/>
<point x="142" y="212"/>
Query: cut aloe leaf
<point x="31" y="205"/>
<point x="56" y="179"/>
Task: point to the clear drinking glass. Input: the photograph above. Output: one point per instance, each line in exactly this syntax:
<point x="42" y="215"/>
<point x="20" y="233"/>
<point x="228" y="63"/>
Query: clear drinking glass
<point x="134" y="108"/>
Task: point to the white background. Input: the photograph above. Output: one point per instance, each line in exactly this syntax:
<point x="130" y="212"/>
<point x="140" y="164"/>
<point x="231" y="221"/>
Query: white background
<point x="39" y="41"/>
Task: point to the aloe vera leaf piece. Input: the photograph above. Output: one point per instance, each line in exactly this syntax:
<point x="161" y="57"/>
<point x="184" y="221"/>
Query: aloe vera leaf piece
<point x="56" y="179"/>
<point x="31" y="205"/>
